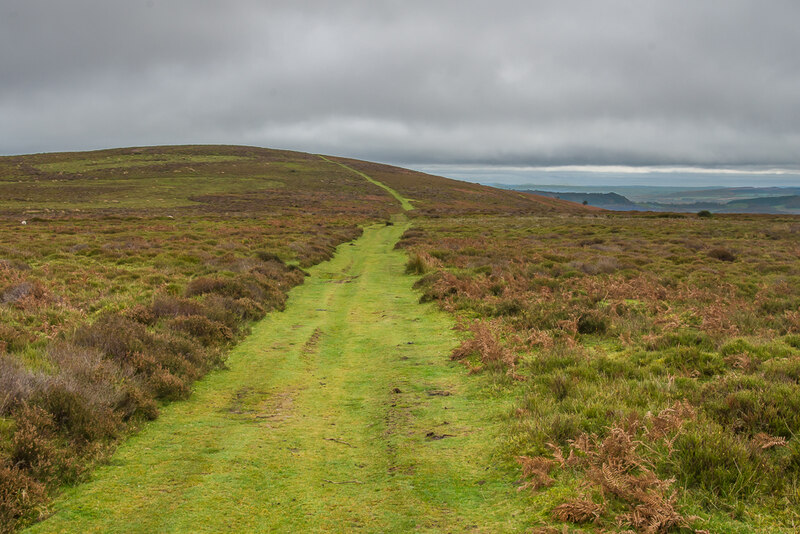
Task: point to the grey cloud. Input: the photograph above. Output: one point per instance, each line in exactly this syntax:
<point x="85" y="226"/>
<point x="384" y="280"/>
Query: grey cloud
<point x="620" y="81"/>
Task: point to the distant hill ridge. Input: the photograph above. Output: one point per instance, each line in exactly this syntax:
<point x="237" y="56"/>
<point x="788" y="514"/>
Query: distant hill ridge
<point x="243" y="178"/>
<point x="784" y="204"/>
<point x="603" y="200"/>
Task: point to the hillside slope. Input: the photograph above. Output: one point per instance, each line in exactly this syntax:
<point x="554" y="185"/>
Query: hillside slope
<point x="234" y="180"/>
<point x="127" y="274"/>
<point x="435" y="195"/>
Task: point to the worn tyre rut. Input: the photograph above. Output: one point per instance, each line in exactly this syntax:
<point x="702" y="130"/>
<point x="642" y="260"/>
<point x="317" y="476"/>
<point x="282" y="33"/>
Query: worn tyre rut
<point x="341" y="413"/>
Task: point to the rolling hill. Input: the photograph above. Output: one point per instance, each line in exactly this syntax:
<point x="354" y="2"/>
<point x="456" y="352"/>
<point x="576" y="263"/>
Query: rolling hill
<point x="128" y="274"/>
<point x="455" y="358"/>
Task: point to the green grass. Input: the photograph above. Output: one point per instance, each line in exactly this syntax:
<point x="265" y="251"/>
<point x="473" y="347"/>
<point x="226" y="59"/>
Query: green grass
<point x="102" y="307"/>
<point x="169" y="177"/>
<point x="611" y="319"/>
<point x="133" y="160"/>
<point x="121" y="193"/>
<point x="353" y="358"/>
<point x="404" y="202"/>
<point x="139" y="268"/>
<point x="110" y="237"/>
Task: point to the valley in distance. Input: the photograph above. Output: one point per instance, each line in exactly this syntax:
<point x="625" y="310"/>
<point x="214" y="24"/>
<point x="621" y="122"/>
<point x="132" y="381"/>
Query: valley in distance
<point x="775" y="200"/>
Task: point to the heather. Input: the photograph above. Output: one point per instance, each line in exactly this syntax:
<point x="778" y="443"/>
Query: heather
<point x="126" y="275"/>
<point x="654" y="359"/>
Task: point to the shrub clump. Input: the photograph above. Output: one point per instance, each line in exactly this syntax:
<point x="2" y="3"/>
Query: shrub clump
<point x="16" y="383"/>
<point x="592" y="323"/>
<point x="721" y="254"/>
<point x="485" y="345"/>
<point x="12" y="339"/>
<point x="264" y="255"/>
<point x="20" y="497"/>
<point x="169" y="306"/>
<point x="208" y="332"/>
<point x="15" y="293"/>
<point x="418" y="264"/>
<point x="215" y="284"/>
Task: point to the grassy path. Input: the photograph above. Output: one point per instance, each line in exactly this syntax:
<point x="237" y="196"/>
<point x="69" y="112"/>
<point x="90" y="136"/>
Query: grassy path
<point x="404" y="202"/>
<point x="339" y="414"/>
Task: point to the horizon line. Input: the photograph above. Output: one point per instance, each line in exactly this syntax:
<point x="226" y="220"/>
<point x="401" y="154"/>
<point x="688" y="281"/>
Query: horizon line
<point x="616" y="169"/>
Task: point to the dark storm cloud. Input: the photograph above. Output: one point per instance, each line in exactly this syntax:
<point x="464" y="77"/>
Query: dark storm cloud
<point x="622" y="82"/>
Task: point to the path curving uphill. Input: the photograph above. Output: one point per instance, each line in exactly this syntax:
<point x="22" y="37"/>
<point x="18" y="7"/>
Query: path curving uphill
<point x="340" y="414"/>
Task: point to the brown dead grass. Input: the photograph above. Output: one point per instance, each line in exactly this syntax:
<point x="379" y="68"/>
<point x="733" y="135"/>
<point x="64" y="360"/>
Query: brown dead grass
<point x="578" y="511"/>
<point x="618" y="475"/>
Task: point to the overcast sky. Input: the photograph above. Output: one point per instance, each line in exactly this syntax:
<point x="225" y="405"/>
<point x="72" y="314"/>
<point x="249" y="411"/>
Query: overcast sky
<point x="633" y="82"/>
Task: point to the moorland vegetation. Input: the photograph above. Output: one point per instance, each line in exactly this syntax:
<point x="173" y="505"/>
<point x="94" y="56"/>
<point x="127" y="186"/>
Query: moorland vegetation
<point x="126" y="274"/>
<point x="655" y="359"/>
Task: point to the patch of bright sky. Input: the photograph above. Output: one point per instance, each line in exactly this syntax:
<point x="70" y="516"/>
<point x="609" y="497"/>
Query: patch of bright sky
<point x="618" y="175"/>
